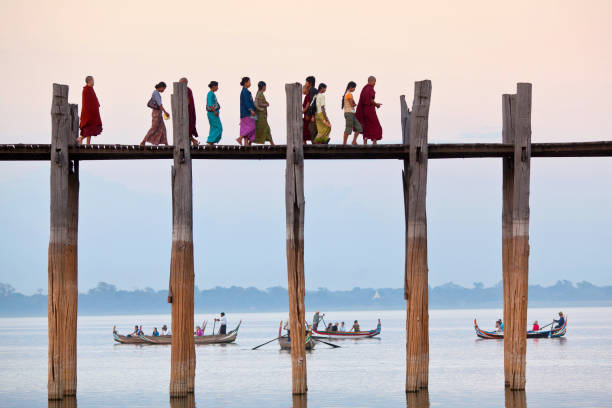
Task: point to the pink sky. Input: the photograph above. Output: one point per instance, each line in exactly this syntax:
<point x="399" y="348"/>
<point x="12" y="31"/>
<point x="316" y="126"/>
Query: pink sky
<point x="472" y="51"/>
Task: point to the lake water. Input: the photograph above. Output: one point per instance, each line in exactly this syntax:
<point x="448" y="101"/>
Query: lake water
<point x="575" y="371"/>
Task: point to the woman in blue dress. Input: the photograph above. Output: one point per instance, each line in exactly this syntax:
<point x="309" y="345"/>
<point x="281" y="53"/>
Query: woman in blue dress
<point x="212" y="111"/>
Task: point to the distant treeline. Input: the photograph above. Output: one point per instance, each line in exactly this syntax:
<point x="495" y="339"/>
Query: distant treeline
<point x="106" y="299"/>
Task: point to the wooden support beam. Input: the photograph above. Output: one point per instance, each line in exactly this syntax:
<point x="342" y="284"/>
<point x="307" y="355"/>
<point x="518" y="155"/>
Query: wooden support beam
<point x="515" y="399"/>
<point x="416" y="280"/>
<point x="58" y="238"/>
<point x="71" y="286"/>
<point x="508" y="122"/>
<point x="294" y="202"/>
<point x="182" y="370"/>
<point x="515" y="326"/>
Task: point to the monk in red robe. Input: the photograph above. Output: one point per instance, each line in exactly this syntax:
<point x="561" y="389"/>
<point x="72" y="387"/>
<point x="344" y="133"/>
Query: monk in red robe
<point x="193" y="132"/>
<point x="366" y="113"/>
<point x="91" y="124"/>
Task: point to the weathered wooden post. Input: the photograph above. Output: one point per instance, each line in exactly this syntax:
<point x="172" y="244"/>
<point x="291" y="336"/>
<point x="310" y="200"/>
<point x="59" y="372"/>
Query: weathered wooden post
<point x="416" y="280"/>
<point x="182" y="371"/>
<point x="515" y="399"/>
<point x="515" y="326"/>
<point x="294" y="202"/>
<point x="71" y="292"/>
<point x="58" y="238"/>
<point x="508" y="119"/>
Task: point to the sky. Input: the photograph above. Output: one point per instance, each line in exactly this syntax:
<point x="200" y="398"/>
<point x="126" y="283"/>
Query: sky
<point x="472" y="51"/>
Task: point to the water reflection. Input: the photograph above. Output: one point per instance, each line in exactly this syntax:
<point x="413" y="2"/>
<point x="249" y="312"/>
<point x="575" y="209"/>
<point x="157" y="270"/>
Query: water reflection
<point x="67" y="402"/>
<point x="515" y="399"/>
<point x="418" y="399"/>
<point x="184" y="402"/>
<point x="300" y="401"/>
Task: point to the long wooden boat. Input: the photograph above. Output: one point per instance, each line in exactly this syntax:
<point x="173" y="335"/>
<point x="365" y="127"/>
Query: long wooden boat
<point x="229" y="337"/>
<point x="128" y="339"/>
<point x="285" y="344"/>
<point x="346" y="335"/>
<point x="540" y="334"/>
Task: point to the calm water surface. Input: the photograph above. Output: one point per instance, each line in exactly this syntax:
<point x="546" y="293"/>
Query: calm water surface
<point x="575" y="371"/>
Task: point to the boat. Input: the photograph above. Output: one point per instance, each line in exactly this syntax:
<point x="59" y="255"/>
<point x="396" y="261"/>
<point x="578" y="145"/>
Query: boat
<point x="229" y="337"/>
<point x="346" y="335"/>
<point x="128" y="339"/>
<point x="285" y="344"/>
<point x="540" y="334"/>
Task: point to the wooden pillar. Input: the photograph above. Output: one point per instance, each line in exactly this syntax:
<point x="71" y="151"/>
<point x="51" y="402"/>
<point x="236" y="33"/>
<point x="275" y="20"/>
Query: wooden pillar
<point x="58" y="238"/>
<point x="515" y="399"/>
<point x="71" y="292"/>
<point x="508" y="119"/>
<point x="294" y="202"/>
<point x="415" y="280"/>
<point x="418" y="399"/>
<point x="515" y="326"/>
<point x="182" y="370"/>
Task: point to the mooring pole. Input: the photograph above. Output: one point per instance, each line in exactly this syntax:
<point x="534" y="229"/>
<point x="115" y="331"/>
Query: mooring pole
<point x="294" y="202"/>
<point x="58" y="238"/>
<point x="182" y="370"/>
<point x="515" y="326"/>
<point x="415" y="279"/>
<point x="71" y="277"/>
<point x="508" y="122"/>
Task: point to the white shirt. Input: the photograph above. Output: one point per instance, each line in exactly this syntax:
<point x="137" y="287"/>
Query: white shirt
<point x="320" y="98"/>
<point x="341" y="328"/>
<point x="223" y="321"/>
<point x="164" y="333"/>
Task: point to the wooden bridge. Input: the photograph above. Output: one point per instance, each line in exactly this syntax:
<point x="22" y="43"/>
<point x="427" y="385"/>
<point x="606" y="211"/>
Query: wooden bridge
<point x="515" y="150"/>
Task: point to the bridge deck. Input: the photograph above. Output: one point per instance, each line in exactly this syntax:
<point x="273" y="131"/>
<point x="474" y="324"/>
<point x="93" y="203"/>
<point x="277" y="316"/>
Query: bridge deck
<point x="25" y="152"/>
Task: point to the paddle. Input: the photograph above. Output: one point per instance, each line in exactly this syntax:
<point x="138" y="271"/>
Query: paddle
<point x="545" y="326"/>
<point x="267" y="342"/>
<point x="329" y="344"/>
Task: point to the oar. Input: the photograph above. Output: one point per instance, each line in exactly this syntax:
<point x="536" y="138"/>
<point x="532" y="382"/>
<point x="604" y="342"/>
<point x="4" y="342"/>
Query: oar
<point x="255" y="348"/>
<point x="329" y="344"/>
<point x="545" y="326"/>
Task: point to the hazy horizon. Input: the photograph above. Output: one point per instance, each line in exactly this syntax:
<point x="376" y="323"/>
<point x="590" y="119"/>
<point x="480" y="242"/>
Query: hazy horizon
<point x="473" y="52"/>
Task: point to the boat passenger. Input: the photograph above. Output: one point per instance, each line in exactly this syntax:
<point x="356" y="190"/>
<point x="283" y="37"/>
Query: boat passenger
<point x="199" y="331"/>
<point x="355" y="327"/>
<point x="165" y="331"/>
<point x="155" y="332"/>
<point x="134" y="333"/>
<point x="379" y="325"/>
<point x="316" y="319"/>
<point x="536" y="326"/>
<point x="140" y="332"/>
<point x="560" y="322"/>
<point x="335" y="327"/>
<point x="342" y="328"/>
<point x="223" y="321"/>
<point x="329" y="328"/>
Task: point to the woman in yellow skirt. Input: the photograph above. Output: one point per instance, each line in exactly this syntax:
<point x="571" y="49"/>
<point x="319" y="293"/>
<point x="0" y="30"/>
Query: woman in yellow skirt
<point x="321" y="119"/>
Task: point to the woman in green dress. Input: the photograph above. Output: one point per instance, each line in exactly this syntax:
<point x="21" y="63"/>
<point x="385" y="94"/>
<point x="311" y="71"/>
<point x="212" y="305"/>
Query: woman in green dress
<point x="262" y="128"/>
<point x="212" y="111"/>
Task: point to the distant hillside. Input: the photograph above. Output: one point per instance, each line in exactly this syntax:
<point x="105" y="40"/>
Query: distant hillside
<point x="107" y="299"/>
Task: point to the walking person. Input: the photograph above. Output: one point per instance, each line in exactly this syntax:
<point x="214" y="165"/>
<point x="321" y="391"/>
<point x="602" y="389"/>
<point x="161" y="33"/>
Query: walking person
<point x="366" y="113"/>
<point x="157" y="134"/>
<point x="309" y="129"/>
<point x="212" y="111"/>
<point x="193" y="133"/>
<point x="262" y="128"/>
<point x="348" y="105"/>
<point x="91" y="123"/>
<point x="247" y="114"/>
<point x="323" y="125"/>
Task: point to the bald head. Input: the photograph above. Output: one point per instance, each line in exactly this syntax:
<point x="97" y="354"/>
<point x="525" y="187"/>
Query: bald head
<point x="183" y="80"/>
<point x="371" y="80"/>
